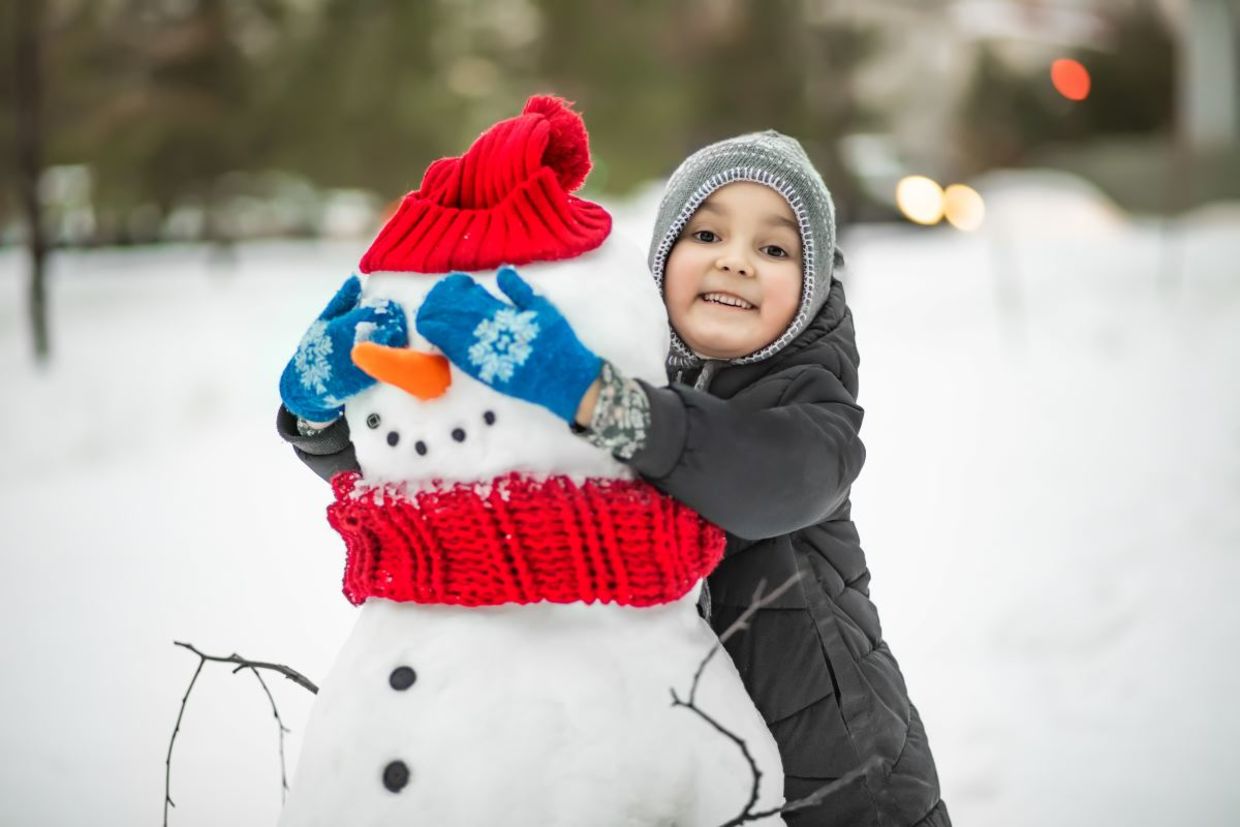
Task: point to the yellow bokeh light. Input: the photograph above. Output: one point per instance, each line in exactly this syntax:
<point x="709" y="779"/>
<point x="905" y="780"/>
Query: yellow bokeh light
<point x="964" y="207"/>
<point x="920" y="199"/>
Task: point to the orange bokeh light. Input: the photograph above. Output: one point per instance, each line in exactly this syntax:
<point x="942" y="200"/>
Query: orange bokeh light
<point x="1071" y="79"/>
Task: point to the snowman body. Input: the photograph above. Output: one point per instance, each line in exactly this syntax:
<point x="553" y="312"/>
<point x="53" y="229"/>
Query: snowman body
<point x="525" y="713"/>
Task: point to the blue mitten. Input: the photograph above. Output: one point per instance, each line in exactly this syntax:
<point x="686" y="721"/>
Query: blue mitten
<point x="526" y="349"/>
<point x="321" y="375"/>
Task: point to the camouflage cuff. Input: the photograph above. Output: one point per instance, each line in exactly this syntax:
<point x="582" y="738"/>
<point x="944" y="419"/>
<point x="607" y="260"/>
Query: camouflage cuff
<point x="621" y="417"/>
<point x="305" y="428"/>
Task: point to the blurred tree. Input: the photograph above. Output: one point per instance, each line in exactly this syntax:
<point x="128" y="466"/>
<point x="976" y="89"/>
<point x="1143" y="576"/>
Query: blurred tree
<point x="8" y="90"/>
<point x="26" y="27"/>
<point x="173" y="107"/>
<point x="356" y="97"/>
<point x="658" y="81"/>
<point x="620" y="65"/>
<point x="165" y="99"/>
<point x="1134" y="77"/>
<point x="1005" y="113"/>
<point x="1010" y="112"/>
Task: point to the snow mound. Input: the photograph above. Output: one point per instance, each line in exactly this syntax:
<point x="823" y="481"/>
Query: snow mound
<point x="1221" y="214"/>
<point x="1047" y="203"/>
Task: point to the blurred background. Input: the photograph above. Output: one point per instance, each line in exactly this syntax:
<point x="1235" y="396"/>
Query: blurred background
<point x="1040" y="208"/>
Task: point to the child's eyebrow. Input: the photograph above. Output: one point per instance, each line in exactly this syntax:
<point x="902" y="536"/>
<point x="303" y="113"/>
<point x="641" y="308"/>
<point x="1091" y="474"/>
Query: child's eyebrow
<point x="782" y="221"/>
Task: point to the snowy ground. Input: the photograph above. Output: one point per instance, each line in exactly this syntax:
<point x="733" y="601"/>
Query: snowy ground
<point x="1050" y="510"/>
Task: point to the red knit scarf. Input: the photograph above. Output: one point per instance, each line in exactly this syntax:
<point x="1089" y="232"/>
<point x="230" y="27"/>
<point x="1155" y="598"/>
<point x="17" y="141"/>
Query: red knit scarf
<point x="520" y="539"/>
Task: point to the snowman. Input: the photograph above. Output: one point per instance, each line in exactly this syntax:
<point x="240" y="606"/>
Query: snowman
<point x="526" y="603"/>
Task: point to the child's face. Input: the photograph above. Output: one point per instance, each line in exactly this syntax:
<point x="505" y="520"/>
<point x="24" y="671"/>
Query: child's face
<point x="741" y="246"/>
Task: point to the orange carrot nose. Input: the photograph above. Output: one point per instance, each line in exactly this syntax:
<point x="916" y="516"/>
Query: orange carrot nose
<point x="425" y="375"/>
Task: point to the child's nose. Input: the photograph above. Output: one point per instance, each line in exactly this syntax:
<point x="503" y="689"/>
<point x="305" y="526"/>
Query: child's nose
<point x="734" y="263"/>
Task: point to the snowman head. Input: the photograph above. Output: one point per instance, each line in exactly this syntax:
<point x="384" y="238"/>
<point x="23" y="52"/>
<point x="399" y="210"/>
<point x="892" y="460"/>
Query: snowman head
<point x="507" y="200"/>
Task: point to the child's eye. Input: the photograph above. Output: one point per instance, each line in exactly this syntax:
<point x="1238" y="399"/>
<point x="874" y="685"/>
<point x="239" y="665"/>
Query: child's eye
<point x="705" y="236"/>
<point x="775" y="251"/>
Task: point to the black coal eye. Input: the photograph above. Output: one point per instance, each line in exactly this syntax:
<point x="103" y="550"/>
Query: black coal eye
<point x="373" y="421"/>
<point x="489" y="417"/>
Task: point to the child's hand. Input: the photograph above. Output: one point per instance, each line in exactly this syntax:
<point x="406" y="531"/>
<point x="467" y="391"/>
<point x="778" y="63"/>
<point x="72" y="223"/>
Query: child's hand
<point x="526" y="349"/>
<point x="321" y="375"/>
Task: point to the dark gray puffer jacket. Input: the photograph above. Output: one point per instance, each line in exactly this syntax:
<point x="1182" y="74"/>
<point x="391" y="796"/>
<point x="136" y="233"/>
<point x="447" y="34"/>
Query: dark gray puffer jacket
<point x="768" y="451"/>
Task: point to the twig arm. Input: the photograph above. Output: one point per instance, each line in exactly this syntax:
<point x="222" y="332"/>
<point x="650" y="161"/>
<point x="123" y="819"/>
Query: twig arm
<point x="243" y="663"/>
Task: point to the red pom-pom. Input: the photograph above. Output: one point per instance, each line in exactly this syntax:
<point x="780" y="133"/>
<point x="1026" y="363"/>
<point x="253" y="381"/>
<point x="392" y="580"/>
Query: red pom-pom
<point x="568" y="148"/>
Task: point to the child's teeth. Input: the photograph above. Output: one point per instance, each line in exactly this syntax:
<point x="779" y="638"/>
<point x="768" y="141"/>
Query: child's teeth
<point x="728" y="300"/>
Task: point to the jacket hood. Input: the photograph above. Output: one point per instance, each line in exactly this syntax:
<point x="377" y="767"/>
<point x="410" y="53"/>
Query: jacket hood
<point x="774" y="160"/>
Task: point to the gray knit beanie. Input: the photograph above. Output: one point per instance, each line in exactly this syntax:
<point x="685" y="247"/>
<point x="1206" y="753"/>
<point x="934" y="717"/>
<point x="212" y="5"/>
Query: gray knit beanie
<point x="779" y="162"/>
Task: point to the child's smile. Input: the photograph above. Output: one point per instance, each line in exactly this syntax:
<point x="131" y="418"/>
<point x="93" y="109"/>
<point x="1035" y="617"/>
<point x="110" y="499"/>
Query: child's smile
<point x="727" y="300"/>
<point x="733" y="278"/>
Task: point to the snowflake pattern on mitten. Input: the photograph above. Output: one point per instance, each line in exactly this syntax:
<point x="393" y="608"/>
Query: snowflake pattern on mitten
<point x="311" y="360"/>
<point x="321" y="376"/>
<point x="523" y="347"/>
<point x="502" y="344"/>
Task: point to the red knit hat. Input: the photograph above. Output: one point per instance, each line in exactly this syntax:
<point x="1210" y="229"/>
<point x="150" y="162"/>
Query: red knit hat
<point x="505" y="201"/>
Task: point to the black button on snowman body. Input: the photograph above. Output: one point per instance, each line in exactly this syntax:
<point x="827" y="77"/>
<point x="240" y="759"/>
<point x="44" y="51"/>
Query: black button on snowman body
<point x="396" y="773"/>
<point x="396" y="776"/>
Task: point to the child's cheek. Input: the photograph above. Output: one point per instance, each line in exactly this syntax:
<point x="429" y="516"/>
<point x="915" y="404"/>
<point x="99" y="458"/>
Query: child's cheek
<point x="783" y="297"/>
<point x="677" y="304"/>
<point x="679" y="285"/>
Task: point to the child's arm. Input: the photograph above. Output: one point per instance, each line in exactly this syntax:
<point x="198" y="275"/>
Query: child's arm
<point x="777" y="457"/>
<point x="327" y="450"/>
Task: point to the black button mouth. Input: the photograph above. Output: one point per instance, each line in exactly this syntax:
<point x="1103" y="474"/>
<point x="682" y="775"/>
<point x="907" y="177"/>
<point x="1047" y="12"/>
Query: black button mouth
<point x="402" y="678"/>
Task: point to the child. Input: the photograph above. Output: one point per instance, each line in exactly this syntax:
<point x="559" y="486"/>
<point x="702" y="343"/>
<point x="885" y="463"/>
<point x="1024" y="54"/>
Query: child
<point x="759" y="433"/>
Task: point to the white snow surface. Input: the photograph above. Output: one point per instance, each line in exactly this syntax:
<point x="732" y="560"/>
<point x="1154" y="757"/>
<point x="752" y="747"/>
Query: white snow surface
<point x="1048" y="508"/>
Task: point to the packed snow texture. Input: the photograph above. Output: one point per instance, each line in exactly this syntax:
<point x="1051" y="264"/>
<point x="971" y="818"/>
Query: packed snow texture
<point x="1048" y="508"/>
<point x="546" y="715"/>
